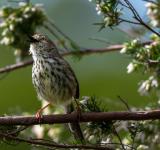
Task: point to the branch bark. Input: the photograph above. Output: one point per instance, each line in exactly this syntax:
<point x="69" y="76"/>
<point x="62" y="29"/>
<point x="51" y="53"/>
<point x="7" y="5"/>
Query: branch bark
<point x="82" y="52"/>
<point x="84" y="117"/>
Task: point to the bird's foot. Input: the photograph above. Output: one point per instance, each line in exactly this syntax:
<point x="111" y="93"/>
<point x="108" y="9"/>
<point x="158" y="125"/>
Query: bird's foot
<point x="39" y="115"/>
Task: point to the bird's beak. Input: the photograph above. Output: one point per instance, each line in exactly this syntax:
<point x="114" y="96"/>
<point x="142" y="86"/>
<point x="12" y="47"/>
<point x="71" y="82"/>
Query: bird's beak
<point x="31" y="39"/>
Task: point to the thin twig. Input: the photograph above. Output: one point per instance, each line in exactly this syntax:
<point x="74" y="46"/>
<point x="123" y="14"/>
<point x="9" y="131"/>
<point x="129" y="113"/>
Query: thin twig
<point x="121" y="3"/>
<point x="18" y="130"/>
<point x="100" y="40"/>
<point x="50" y="145"/>
<point x="19" y="65"/>
<point x="4" y="75"/>
<point x="61" y="32"/>
<point x="129" y="21"/>
<point x="55" y="35"/>
<point x="125" y="103"/>
<point x="138" y="17"/>
<point x="133" y="10"/>
<point x="118" y="136"/>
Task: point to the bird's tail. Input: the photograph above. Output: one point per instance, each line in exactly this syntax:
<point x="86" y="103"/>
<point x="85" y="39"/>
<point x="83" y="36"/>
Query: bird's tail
<point x="75" y="127"/>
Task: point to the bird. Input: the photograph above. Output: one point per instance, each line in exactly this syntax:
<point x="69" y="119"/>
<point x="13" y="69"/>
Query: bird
<point x="53" y="78"/>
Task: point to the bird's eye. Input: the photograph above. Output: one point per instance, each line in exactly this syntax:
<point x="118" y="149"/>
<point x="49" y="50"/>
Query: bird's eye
<point x="32" y="39"/>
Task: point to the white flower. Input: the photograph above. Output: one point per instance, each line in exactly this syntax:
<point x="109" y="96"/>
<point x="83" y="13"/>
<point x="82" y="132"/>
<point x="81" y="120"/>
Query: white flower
<point x="91" y="138"/>
<point x="154" y="83"/>
<point x="155" y="23"/>
<point x="12" y="17"/>
<point x="26" y="16"/>
<point x="147" y="108"/>
<point x="84" y="100"/>
<point x="130" y="68"/>
<point x="155" y="11"/>
<point x="123" y="50"/>
<point x="105" y="141"/>
<point x="147" y="46"/>
<point x="144" y="87"/>
<point x="17" y="52"/>
<point x="18" y="19"/>
<point x="106" y="19"/>
<point x="156" y="138"/>
<point x="135" y="41"/>
<point x="126" y="141"/>
<point x="142" y="147"/>
<point x="149" y="12"/>
<point x="33" y="9"/>
<point x="97" y="7"/>
<point x="148" y="5"/>
<point x="1" y="13"/>
<point x="11" y="27"/>
<point x="98" y="12"/>
<point x="90" y="0"/>
<point x="38" y="131"/>
<point x="5" y="41"/>
<point x="27" y="9"/>
<point x="147" y="85"/>
<point x="138" y="55"/>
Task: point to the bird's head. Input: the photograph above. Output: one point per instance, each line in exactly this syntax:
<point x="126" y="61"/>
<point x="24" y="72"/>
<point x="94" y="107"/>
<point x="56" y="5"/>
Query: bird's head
<point x="41" y="45"/>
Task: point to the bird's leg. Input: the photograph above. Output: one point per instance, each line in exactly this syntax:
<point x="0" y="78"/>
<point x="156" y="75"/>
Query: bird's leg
<point x="78" y="109"/>
<point x="39" y="112"/>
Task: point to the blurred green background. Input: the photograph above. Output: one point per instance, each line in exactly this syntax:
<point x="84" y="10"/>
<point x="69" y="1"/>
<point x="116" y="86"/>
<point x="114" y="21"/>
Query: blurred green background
<point x="103" y="75"/>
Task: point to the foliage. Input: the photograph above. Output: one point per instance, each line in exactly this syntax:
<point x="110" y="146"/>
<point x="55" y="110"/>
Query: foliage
<point x="110" y="11"/>
<point x="101" y="129"/>
<point x="153" y="13"/>
<point x="145" y="58"/>
<point x="24" y="19"/>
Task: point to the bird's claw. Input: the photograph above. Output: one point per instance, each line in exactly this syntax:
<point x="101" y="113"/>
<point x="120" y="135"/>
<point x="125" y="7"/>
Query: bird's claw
<point x="39" y="115"/>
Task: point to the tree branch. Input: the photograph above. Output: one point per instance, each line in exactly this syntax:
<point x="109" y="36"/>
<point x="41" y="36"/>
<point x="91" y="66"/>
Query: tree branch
<point x="81" y="52"/>
<point x="13" y="67"/>
<point x="85" y="117"/>
<point x="88" y="51"/>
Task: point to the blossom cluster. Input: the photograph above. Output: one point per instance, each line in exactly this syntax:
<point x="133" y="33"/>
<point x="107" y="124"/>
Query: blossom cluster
<point x="16" y="23"/>
<point x="147" y="85"/>
<point x="145" y="58"/>
<point x="109" y="10"/>
<point x="153" y="13"/>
